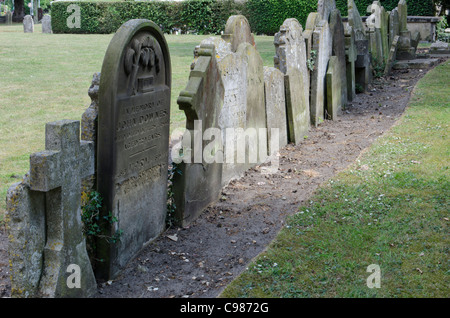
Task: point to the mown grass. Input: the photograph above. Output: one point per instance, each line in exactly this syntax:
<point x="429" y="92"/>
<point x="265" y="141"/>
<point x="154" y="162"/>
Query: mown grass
<point x="46" y="77"/>
<point x="390" y="208"/>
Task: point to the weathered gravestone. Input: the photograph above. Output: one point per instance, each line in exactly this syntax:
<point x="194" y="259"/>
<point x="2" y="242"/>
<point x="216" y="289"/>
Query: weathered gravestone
<point x="47" y="24"/>
<point x="307" y="33"/>
<point x="44" y="217"/>
<point x="350" y="55"/>
<point x="338" y="50"/>
<point x="237" y="31"/>
<point x="133" y="142"/>
<point x="290" y="58"/>
<point x="324" y="8"/>
<point x="355" y="21"/>
<point x="28" y="24"/>
<point x="242" y="119"/>
<point x="8" y="18"/>
<point x="333" y="83"/>
<point x="384" y="30"/>
<point x="405" y="49"/>
<point x="374" y="33"/>
<point x="394" y="25"/>
<point x="322" y="45"/>
<point x="440" y="47"/>
<point x="392" y="56"/>
<point x="275" y="109"/>
<point x="199" y="182"/>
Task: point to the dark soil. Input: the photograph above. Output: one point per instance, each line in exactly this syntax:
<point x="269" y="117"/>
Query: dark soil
<point x="210" y="253"/>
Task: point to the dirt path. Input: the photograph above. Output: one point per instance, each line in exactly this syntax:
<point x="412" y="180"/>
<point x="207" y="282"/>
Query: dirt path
<point x="221" y="243"/>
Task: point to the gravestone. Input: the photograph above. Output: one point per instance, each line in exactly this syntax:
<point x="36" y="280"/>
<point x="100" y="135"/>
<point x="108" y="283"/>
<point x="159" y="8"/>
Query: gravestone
<point x="275" y="107"/>
<point x="384" y="30"/>
<point x="200" y="181"/>
<point x="310" y="24"/>
<point x="324" y="8"/>
<point x="374" y="34"/>
<point x="333" y="82"/>
<point x="355" y="21"/>
<point x="28" y="24"/>
<point x="351" y="55"/>
<point x="89" y="128"/>
<point x="338" y="50"/>
<point x="46" y="24"/>
<point x="363" y="72"/>
<point x="133" y="142"/>
<point x="237" y="31"/>
<point x="440" y="47"/>
<point x="322" y="44"/>
<point x="392" y="56"/>
<point x="8" y="18"/>
<point x="290" y="58"/>
<point x="394" y="25"/>
<point x="44" y="215"/>
<point x="405" y="49"/>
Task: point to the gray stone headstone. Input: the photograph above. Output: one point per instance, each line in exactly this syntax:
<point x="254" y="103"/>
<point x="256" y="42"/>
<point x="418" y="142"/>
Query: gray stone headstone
<point x="392" y="56"/>
<point x="402" y="9"/>
<point x="25" y="222"/>
<point x="351" y="56"/>
<point x="290" y="58"/>
<point x="333" y="82"/>
<point x="311" y="22"/>
<point x="275" y="107"/>
<point x="322" y="45"/>
<point x="355" y="21"/>
<point x="338" y="50"/>
<point x="28" y="24"/>
<point x="133" y="141"/>
<point x="8" y="18"/>
<point x="324" y="8"/>
<point x="200" y="181"/>
<point x="237" y="31"/>
<point x="440" y="47"/>
<point x="58" y="172"/>
<point x="394" y="25"/>
<point x="363" y="72"/>
<point x="46" y="24"/>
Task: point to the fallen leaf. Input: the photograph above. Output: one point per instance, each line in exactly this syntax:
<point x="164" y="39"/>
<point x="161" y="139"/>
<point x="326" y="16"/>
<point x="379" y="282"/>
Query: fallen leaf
<point x="173" y="237"/>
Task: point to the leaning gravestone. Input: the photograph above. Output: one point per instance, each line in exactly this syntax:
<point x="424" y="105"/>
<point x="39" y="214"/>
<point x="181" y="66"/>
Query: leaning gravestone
<point x="338" y="50"/>
<point x="324" y="8"/>
<point x="133" y="141"/>
<point x="46" y="24"/>
<point x="275" y="108"/>
<point x="44" y="218"/>
<point x="392" y="55"/>
<point x="394" y="25"/>
<point x="333" y="82"/>
<point x="355" y="21"/>
<point x="290" y="58"/>
<point x="322" y="45"/>
<point x="350" y="55"/>
<point x="28" y="24"/>
<point x="199" y="182"/>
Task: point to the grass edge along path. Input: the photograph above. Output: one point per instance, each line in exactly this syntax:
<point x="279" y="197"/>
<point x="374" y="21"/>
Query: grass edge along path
<point x="390" y="208"/>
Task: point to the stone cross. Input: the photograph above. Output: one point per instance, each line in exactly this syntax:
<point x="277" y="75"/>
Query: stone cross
<point x="58" y="171"/>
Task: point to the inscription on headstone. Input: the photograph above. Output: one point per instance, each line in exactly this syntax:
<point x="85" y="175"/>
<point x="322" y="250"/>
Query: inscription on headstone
<point x="133" y="141"/>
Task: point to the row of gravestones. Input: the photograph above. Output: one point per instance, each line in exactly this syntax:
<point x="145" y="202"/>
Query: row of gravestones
<point x="124" y="149"/>
<point x="28" y="24"/>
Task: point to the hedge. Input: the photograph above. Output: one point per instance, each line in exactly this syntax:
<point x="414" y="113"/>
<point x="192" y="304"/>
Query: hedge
<point x="204" y="16"/>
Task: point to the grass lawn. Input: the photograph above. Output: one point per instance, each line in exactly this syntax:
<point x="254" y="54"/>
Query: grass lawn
<point x="46" y="77"/>
<point x="390" y="208"/>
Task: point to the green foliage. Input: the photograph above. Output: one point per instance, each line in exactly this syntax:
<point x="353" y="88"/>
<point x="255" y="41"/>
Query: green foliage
<point x="310" y="63"/>
<point x="90" y="216"/>
<point x="440" y="30"/>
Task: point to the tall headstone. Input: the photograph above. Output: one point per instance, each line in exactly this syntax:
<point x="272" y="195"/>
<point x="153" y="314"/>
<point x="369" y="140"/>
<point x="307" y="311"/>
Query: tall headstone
<point x="44" y="216"/>
<point x="28" y="24"/>
<point x="275" y="108"/>
<point x="374" y="33"/>
<point x="133" y="141"/>
<point x="405" y="47"/>
<point x="8" y="18"/>
<point x="311" y="22"/>
<point x="394" y="25"/>
<point x="200" y="181"/>
<point x="243" y="109"/>
<point x="46" y="24"/>
<point x="333" y="82"/>
<point x="322" y="45"/>
<point x="237" y="31"/>
<point x="355" y="21"/>
<point x="384" y="30"/>
<point x="351" y="56"/>
<point x="324" y="8"/>
<point x="290" y="58"/>
<point x="338" y="50"/>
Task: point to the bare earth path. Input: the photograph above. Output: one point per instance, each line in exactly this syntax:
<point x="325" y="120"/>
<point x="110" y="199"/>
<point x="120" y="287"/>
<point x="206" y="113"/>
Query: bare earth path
<point x="219" y="245"/>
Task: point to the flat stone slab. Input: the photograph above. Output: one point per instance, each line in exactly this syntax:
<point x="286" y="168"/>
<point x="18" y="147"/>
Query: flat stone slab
<point x="415" y="64"/>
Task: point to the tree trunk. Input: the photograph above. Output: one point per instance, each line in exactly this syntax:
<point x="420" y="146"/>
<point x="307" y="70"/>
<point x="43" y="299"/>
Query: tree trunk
<point x="19" y="11"/>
